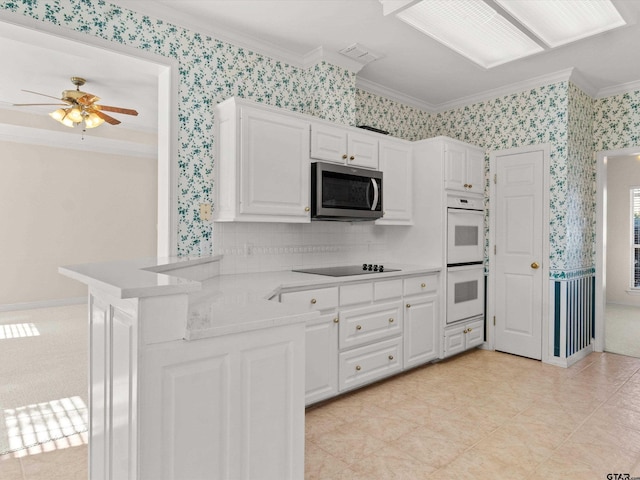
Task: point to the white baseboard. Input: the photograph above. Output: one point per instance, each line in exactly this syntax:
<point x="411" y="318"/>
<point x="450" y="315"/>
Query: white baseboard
<point x="62" y="302"/>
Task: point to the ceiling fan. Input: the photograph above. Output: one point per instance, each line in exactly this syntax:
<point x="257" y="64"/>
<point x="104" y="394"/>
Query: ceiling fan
<point x="80" y="107"/>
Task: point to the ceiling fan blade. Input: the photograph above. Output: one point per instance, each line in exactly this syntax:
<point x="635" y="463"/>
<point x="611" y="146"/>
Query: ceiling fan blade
<point x="107" y="118"/>
<point x="87" y="99"/>
<point x="38" y="104"/>
<point x="42" y="94"/>
<point x="107" y="108"/>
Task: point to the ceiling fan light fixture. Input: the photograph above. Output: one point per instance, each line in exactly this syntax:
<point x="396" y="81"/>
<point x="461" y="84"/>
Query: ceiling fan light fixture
<point x="75" y="114"/>
<point x="92" y="120"/>
<point x="61" y="116"/>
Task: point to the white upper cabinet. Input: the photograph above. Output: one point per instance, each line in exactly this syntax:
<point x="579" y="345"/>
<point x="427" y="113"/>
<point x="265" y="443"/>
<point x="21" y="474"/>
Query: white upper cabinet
<point x="339" y="145"/>
<point x="262" y="171"/>
<point x="397" y="192"/>
<point x="464" y="168"/>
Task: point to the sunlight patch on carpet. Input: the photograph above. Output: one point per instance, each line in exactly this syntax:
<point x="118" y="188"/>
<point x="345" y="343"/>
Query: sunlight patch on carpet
<point x="45" y="426"/>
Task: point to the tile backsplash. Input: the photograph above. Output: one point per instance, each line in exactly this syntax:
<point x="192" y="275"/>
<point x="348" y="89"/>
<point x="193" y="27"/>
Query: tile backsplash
<point x="261" y="247"/>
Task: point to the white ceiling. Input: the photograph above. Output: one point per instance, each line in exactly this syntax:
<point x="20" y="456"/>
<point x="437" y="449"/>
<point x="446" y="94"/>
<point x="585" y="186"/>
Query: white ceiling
<point x="413" y="66"/>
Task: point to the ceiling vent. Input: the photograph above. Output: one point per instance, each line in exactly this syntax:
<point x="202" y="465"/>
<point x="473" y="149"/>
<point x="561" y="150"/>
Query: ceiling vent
<point x="359" y="53"/>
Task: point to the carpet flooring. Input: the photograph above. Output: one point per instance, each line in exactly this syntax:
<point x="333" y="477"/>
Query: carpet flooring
<point x="43" y="372"/>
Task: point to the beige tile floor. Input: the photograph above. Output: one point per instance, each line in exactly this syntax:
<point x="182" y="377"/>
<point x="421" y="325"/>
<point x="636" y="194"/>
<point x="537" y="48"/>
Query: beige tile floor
<point x="480" y="415"/>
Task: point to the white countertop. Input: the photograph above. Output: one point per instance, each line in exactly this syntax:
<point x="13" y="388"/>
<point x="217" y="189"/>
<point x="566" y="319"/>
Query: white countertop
<point x="228" y="301"/>
<point x="223" y="304"/>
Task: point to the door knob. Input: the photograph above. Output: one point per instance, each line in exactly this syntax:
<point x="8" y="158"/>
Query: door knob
<point x="534" y="265"/>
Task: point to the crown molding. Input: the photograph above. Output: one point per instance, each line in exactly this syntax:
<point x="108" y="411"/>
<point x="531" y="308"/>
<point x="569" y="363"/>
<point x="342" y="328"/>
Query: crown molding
<point x="542" y="80"/>
<point x="75" y="141"/>
<point x="392" y="94"/>
<point x="618" y="89"/>
<point x="580" y="81"/>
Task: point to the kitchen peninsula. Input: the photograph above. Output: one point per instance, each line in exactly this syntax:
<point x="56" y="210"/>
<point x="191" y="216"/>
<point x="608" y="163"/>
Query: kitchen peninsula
<point x="194" y="374"/>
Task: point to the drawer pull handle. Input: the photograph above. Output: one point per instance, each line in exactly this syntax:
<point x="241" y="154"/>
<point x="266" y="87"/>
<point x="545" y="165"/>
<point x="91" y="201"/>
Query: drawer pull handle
<point x="358" y="367"/>
<point x="358" y="327"/>
<point x="408" y="305"/>
<point x="423" y="285"/>
<point x="336" y="320"/>
<point x="391" y="320"/>
<point x="390" y="357"/>
<point x="313" y="301"/>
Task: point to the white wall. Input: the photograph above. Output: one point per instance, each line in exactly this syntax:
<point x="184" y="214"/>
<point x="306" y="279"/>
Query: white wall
<point x="60" y="207"/>
<point x="622" y="174"/>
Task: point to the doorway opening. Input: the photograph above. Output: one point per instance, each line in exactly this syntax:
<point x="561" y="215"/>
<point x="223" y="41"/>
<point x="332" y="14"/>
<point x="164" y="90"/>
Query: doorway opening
<point x="617" y="266"/>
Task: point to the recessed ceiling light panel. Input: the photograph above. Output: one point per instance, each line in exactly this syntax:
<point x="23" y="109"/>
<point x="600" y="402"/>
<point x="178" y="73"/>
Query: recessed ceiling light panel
<point x="560" y="22"/>
<point x="471" y="28"/>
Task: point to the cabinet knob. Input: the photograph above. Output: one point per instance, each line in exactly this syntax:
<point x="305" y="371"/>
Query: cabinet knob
<point x="358" y="367"/>
<point x="469" y="330"/>
<point x="465" y="330"/>
<point x="390" y="357"/>
<point x="344" y="157"/>
<point x="408" y="305"/>
<point x="423" y="285"/>
<point x="336" y="320"/>
<point x="466" y="185"/>
<point x="313" y="301"/>
<point x="358" y="327"/>
<point x="470" y="186"/>
<point x="306" y="209"/>
<point x="391" y="320"/>
<point x="352" y="157"/>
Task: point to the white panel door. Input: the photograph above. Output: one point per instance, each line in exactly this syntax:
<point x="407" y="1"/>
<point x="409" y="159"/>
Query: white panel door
<point x="362" y="151"/>
<point x="519" y="282"/>
<point x="321" y="355"/>
<point x="397" y="194"/>
<point x="329" y="143"/>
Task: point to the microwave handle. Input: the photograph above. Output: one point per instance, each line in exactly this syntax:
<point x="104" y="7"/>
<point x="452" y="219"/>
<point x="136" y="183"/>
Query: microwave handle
<point x="376" y="194"/>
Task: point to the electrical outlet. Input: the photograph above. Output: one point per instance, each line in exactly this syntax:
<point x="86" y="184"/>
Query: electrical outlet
<point x="205" y="212"/>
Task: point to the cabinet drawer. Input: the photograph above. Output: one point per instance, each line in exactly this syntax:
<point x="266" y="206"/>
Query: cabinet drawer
<point x="421" y="284"/>
<point x="367" y="364"/>
<point x="317" y="299"/>
<point x="388" y="289"/>
<point x="368" y="324"/>
<point x="358" y="293"/>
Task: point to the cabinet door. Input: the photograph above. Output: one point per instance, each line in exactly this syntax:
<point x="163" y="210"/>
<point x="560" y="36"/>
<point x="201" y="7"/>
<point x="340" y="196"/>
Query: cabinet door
<point x="275" y="166"/>
<point x="455" y="167"/>
<point x="420" y="330"/>
<point x="454" y="340"/>
<point x="321" y="368"/>
<point x="475" y="171"/>
<point x="329" y="144"/>
<point x="397" y="194"/>
<point x="362" y="151"/>
<point x="475" y="333"/>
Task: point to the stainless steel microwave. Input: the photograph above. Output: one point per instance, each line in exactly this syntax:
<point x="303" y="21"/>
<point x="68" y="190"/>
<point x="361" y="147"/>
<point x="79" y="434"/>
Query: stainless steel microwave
<point x="344" y="193"/>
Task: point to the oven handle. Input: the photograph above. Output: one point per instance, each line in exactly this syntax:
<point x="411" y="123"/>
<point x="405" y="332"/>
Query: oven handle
<point x="376" y="194"/>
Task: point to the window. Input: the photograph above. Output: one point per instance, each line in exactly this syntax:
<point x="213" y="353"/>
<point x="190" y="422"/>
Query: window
<point x="635" y="237"/>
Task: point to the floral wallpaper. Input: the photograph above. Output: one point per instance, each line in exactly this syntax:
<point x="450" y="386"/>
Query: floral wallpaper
<point x="617" y="122"/>
<point x="210" y="71"/>
<point x="400" y="120"/>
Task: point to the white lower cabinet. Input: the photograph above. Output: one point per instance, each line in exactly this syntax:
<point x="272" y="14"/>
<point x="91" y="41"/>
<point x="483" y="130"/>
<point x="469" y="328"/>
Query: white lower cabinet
<point x="363" y="365"/>
<point x="463" y="336"/>
<point x="421" y="319"/>
<point x="321" y="357"/>
<point x="366" y="331"/>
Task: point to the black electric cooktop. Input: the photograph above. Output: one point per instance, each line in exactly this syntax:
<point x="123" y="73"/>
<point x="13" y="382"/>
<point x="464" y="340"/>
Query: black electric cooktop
<point x="347" y="270"/>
